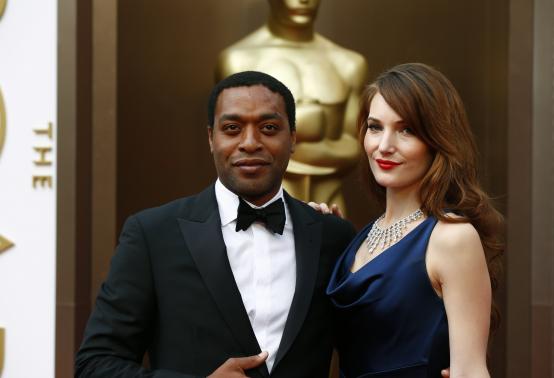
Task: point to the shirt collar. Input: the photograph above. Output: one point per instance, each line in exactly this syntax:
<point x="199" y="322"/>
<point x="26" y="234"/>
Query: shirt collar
<point x="228" y="203"/>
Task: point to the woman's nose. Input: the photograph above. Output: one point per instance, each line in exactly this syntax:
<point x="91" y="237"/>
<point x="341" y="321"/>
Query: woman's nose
<point x="387" y="143"/>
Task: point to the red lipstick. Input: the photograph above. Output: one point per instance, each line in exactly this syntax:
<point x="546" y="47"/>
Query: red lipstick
<point x="386" y="164"/>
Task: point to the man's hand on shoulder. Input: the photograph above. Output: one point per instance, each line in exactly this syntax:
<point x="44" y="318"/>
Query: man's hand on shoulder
<point x="235" y="367"/>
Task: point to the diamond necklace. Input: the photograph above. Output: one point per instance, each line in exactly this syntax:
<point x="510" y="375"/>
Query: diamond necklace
<point x="387" y="236"/>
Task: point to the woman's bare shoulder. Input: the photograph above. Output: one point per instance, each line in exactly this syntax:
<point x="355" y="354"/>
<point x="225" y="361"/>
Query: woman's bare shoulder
<point x="453" y="235"/>
<point x="455" y="242"/>
<point x="455" y="250"/>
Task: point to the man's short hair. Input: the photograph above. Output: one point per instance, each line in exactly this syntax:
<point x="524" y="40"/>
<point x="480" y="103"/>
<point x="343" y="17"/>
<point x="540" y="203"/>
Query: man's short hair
<point x="248" y="79"/>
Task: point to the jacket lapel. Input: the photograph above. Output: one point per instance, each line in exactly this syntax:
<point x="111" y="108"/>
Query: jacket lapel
<point x="307" y="241"/>
<point x="201" y="229"/>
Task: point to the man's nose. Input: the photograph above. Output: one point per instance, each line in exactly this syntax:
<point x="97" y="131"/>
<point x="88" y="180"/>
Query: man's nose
<point x="250" y="141"/>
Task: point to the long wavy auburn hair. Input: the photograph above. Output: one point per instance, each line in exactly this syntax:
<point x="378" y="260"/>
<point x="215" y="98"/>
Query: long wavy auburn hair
<point x="430" y="105"/>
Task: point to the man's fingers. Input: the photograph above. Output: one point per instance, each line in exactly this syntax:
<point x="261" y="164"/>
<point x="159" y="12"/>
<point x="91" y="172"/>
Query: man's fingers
<point x="251" y="362"/>
<point x="235" y="367"/>
<point x="445" y="373"/>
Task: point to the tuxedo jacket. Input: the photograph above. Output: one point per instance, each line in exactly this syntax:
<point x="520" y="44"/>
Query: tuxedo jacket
<point x="171" y="292"/>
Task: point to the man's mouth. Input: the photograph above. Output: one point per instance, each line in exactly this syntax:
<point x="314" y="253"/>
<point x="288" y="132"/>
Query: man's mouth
<point x="250" y="165"/>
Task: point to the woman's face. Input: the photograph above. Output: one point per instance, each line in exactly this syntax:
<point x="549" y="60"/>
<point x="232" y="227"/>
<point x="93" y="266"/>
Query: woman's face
<point x="294" y="12"/>
<point x="397" y="158"/>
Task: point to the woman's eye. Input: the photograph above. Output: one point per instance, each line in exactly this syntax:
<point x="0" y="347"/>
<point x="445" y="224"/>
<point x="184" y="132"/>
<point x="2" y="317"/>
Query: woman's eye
<point x="373" y="127"/>
<point x="407" y="131"/>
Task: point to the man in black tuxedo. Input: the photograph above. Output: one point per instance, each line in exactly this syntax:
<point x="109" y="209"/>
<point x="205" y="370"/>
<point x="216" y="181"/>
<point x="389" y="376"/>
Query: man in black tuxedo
<point x="204" y="284"/>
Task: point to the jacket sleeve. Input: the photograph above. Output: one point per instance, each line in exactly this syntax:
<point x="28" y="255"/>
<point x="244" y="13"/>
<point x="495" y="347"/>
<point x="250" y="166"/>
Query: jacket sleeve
<point x="119" y="329"/>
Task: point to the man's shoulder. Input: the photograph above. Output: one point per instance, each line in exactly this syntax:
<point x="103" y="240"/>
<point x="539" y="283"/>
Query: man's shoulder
<point x="178" y="208"/>
<point x="336" y="225"/>
<point x="331" y="223"/>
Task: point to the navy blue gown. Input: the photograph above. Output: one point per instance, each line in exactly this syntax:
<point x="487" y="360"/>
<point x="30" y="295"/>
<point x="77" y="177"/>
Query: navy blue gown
<point x="391" y="323"/>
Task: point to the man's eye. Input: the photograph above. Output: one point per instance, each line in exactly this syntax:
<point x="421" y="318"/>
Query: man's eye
<point x="231" y="127"/>
<point x="270" y="127"/>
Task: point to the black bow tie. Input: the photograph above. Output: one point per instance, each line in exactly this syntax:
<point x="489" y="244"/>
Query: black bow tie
<point x="273" y="216"/>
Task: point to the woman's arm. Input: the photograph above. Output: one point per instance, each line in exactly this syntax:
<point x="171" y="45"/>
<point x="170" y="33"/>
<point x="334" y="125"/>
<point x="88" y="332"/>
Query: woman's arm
<point x="458" y="270"/>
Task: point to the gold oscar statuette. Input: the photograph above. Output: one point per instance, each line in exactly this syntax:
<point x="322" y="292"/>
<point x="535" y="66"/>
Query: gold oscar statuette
<point x="5" y="244"/>
<point x="325" y="79"/>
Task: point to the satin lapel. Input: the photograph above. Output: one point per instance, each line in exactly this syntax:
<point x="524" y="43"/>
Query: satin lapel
<point x="307" y="241"/>
<point x="202" y="232"/>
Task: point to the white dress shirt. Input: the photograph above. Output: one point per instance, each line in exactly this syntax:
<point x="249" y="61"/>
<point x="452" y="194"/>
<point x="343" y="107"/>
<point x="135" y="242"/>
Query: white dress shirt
<point x="264" y="267"/>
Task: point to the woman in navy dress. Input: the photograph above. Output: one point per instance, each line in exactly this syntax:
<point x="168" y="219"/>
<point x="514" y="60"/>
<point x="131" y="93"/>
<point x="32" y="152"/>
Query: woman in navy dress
<point x="414" y="289"/>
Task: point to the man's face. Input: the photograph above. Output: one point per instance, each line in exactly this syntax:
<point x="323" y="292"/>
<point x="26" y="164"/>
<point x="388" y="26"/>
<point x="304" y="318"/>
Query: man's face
<point x="251" y="141"/>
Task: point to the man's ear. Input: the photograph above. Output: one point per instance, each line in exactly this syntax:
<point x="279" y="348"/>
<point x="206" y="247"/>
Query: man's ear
<point x="293" y="141"/>
<point x="210" y="138"/>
